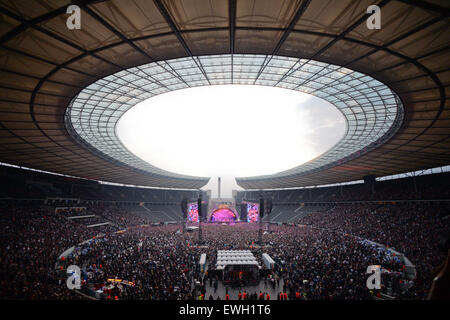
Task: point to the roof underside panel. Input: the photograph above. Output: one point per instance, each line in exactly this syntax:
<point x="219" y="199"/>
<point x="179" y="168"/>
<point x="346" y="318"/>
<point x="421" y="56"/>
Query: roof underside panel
<point x="43" y="65"/>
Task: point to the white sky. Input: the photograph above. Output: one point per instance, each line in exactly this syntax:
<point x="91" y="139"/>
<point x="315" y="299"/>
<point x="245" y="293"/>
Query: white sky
<point x="230" y="131"/>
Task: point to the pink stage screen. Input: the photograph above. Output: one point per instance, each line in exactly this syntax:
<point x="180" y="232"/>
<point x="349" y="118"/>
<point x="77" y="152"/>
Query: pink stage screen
<point x="192" y="212"/>
<point x="223" y="215"/>
<point x="252" y="212"/>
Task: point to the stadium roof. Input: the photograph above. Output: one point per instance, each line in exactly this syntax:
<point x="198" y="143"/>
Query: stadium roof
<point x="44" y="66"/>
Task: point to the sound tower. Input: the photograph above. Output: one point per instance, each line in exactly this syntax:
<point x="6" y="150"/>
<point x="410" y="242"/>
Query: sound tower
<point x="269" y="206"/>
<point x="185" y="213"/>
<point x="261" y="208"/>
<point x="200" y="209"/>
<point x="261" y="216"/>
<point x="243" y="212"/>
<point x="200" y="218"/>
<point x="184" y="208"/>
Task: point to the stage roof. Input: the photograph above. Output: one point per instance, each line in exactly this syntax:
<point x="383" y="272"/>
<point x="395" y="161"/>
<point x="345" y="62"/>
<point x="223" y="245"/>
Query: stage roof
<point x="235" y="257"/>
<point x="44" y="66"/>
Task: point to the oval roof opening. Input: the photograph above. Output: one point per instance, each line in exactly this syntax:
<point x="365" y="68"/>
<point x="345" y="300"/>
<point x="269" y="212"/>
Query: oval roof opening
<point x="230" y="130"/>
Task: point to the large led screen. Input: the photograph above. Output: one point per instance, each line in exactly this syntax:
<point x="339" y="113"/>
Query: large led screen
<point x="252" y="212"/>
<point x="193" y="212"/>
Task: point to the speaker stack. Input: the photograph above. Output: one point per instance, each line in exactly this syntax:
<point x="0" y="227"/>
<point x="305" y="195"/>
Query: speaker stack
<point x="184" y="208"/>
<point x="200" y="209"/>
<point x="261" y="208"/>
<point x="243" y="212"/>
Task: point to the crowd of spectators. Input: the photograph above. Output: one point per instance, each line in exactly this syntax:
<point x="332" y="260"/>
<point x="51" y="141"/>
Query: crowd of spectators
<point x="162" y="262"/>
<point x="119" y="217"/>
<point x="32" y="238"/>
<point x="412" y="228"/>
<point x="122" y="217"/>
<point x="323" y="258"/>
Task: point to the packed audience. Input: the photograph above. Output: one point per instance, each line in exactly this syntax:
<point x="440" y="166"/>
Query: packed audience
<point x="162" y="262"/>
<point x="412" y="228"/>
<point x="122" y="217"/>
<point x="32" y="238"/>
<point x="325" y="257"/>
